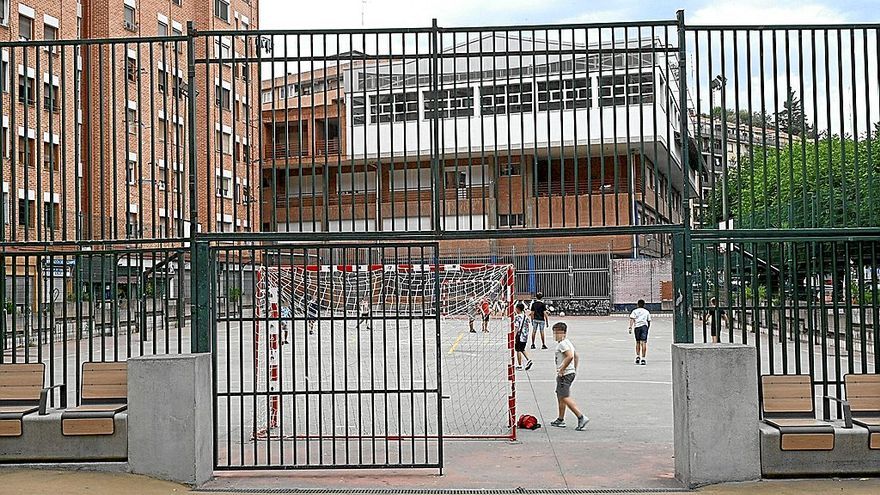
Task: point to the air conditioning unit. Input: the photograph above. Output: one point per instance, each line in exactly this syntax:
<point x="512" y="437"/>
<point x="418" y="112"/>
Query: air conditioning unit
<point x="129" y="25"/>
<point x="160" y="185"/>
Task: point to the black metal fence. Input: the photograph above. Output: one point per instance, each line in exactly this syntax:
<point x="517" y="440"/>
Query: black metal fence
<point x="136" y="172"/>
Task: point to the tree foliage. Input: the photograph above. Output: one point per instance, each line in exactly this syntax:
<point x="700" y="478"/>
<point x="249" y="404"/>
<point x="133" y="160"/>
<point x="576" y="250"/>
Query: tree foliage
<point x="791" y="119"/>
<point x="826" y="182"/>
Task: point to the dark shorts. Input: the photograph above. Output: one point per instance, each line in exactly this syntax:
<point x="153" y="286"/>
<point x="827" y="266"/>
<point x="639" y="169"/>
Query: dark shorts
<point x="716" y="330"/>
<point x="519" y="346"/>
<point x="641" y="334"/>
<point x="486" y="317"/>
<point x="563" y="385"/>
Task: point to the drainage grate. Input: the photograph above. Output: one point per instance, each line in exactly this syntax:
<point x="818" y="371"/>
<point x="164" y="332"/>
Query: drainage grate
<point x="377" y="491"/>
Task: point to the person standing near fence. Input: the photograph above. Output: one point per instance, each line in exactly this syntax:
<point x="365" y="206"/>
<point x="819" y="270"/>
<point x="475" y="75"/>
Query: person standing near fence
<point x="640" y="322"/>
<point x="566" y="366"/>
<point x="539" y="313"/>
<point x="714" y="316"/>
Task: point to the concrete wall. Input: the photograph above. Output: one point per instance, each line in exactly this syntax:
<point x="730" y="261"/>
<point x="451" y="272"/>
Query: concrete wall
<point x="170" y="410"/>
<point x="715" y="407"/>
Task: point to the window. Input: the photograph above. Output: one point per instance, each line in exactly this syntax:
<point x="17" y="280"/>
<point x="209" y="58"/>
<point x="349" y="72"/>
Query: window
<point x="6" y="208"/>
<point x="50" y="33"/>
<point x="26" y="213"/>
<point x="4" y="75"/>
<point x="4" y="12"/>
<point x="223" y="97"/>
<point x="27" y="89"/>
<point x="514" y="220"/>
<point x="626" y="89"/>
<point x="177" y="45"/>
<point x="509" y="169"/>
<point x="129" y="18"/>
<point x="162" y="29"/>
<point x="25" y="27"/>
<point x="131" y="172"/>
<point x="222" y="50"/>
<point x="224" y="142"/>
<point x="161" y="129"/>
<point x="131" y="118"/>
<point x="224" y="186"/>
<point x="511" y="98"/>
<point x="51" y="215"/>
<point x="131" y="225"/>
<point x="567" y="94"/>
<point x="26" y="151"/>
<point x="178" y="180"/>
<point x="131" y="68"/>
<point x="177" y="2"/>
<point x="457" y="102"/>
<point x="161" y="228"/>
<point x="266" y="96"/>
<point x="221" y="9"/>
<point x="396" y="107"/>
<point x="50" y="156"/>
<point x="4" y="145"/>
<point x="162" y="80"/>
<point x="179" y="87"/>
<point x="50" y="97"/>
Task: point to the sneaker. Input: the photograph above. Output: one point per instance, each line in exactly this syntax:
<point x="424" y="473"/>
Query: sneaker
<point x="643" y="363"/>
<point x="473" y="331"/>
<point x="518" y="368"/>
<point x="533" y="346"/>
<point x="311" y="332"/>
<point x="582" y="422"/>
<point x="638" y="360"/>
<point x="559" y="423"/>
<point x="529" y="365"/>
<point x="543" y="346"/>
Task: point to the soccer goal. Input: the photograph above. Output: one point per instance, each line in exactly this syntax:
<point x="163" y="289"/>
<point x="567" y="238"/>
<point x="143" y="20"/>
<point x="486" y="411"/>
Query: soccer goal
<point x="378" y="323"/>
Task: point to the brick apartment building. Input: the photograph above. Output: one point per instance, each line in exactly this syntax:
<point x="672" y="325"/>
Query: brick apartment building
<point x="347" y="147"/>
<point x="94" y="136"/>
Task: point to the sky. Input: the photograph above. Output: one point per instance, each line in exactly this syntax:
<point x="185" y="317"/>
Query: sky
<point x="302" y="14"/>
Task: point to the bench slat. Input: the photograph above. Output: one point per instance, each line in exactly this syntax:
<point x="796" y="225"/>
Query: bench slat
<point x="119" y="391"/>
<point x="21" y="392"/>
<point x="804" y="405"/>
<point x="10" y="428"/>
<point x="808" y="441"/>
<point x="87" y="426"/>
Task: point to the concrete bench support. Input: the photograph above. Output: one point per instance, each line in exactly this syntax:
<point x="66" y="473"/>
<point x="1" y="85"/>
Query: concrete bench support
<point x="170" y="434"/>
<point x="715" y="406"/>
<point x="850" y="457"/>
<point x="41" y="441"/>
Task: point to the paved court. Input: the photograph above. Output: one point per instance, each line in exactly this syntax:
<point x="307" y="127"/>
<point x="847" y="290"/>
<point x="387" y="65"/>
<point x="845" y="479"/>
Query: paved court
<point x="628" y="442"/>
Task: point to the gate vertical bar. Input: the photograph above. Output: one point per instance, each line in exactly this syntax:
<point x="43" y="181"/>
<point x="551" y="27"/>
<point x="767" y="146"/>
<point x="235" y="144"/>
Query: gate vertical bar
<point x="683" y="293"/>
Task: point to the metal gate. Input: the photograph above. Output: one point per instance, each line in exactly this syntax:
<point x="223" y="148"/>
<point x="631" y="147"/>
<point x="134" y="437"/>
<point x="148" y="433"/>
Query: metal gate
<point x="304" y="382"/>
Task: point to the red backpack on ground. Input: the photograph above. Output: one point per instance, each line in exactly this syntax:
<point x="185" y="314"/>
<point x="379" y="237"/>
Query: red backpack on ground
<point x="528" y="422"/>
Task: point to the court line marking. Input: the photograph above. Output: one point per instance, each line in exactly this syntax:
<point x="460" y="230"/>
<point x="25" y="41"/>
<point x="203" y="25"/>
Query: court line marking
<point x="455" y="344"/>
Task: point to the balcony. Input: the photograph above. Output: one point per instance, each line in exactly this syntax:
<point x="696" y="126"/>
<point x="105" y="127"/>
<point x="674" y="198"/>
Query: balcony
<point x="584" y="186"/>
<point x="295" y="149"/>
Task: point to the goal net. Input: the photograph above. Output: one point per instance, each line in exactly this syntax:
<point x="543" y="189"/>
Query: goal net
<point x="342" y="331"/>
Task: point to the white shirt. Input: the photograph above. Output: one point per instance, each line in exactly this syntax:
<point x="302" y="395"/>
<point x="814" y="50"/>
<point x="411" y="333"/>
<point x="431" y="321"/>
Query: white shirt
<point x="562" y="347"/>
<point x="521" y="327"/>
<point x="641" y="316"/>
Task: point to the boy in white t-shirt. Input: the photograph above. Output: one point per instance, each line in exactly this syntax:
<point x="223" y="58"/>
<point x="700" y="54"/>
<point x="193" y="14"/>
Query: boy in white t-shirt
<point x="640" y="320"/>
<point x="566" y="367"/>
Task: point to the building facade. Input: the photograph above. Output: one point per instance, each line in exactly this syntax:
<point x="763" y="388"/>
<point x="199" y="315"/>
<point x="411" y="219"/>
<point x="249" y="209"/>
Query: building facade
<point x="95" y="128"/>
<point x="566" y="139"/>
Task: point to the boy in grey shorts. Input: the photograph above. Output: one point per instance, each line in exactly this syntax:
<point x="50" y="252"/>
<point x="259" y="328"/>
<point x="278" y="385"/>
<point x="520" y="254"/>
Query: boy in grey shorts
<point x="566" y="365"/>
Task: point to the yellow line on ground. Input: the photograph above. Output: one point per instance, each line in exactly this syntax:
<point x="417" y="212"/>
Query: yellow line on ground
<point x="454" y="344"/>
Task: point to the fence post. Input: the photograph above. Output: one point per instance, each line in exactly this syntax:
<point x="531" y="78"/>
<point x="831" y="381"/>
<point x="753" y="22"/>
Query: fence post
<point x="202" y="283"/>
<point x="682" y="322"/>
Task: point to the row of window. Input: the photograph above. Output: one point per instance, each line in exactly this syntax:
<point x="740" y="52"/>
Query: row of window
<point x="624" y="89"/>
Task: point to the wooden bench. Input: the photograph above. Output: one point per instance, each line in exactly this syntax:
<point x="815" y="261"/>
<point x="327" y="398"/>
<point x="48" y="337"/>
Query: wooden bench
<point x="863" y="396"/>
<point x="789" y="406"/>
<point x="104" y="393"/>
<point x="22" y="393"/>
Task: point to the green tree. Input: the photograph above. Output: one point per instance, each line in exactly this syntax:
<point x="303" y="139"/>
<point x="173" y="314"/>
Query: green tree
<point x="791" y="119"/>
<point x="754" y="119"/>
<point x="829" y="182"/>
